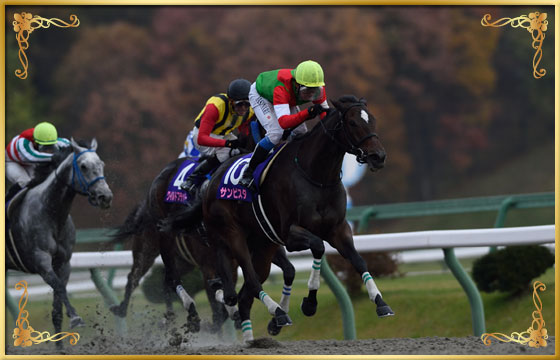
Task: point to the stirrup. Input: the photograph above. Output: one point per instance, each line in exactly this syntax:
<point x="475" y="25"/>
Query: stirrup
<point x="188" y="186"/>
<point x="248" y="183"/>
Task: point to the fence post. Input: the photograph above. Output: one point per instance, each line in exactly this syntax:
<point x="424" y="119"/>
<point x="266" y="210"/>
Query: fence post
<point x="477" y="308"/>
<point x="501" y="218"/>
<point x="343" y="299"/>
<point x="109" y="297"/>
<point x="11" y="304"/>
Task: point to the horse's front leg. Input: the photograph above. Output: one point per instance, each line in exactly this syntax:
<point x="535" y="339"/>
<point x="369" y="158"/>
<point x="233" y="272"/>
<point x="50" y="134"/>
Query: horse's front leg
<point x="280" y="259"/>
<point x="57" y="281"/>
<point x="343" y="241"/>
<point x="300" y="238"/>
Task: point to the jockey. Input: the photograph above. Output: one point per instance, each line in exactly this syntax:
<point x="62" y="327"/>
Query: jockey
<point x="212" y="133"/>
<point x="275" y="97"/>
<point x="26" y="150"/>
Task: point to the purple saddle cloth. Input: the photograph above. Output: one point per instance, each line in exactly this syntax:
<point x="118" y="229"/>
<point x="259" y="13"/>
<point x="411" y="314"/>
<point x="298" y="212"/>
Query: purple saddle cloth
<point x="174" y="193"/>
<point x="229" y="188"/>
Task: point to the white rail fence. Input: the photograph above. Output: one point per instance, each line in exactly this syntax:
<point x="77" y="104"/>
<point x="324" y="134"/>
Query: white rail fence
<point x="472" y="243"/>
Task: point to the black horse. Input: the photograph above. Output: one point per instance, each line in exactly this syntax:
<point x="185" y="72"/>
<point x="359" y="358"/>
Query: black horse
<point x="181" y="252"/>
<point x="305" y="203"/>
<point x="40" y="234"/>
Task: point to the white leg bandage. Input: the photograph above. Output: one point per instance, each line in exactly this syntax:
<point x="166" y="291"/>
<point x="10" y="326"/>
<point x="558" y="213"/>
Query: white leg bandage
<point x="372" y="289"/>
<point x="231" y="310"/>
<point x="185" y="298"/>
<point x="315" y="277"/>
<point x="285" y="299"/>
<point x="247" y="330"/>
<point x="270" y="304"/>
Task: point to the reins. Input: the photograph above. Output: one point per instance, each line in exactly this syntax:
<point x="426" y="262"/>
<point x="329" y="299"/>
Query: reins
<point x="350" y="147"/>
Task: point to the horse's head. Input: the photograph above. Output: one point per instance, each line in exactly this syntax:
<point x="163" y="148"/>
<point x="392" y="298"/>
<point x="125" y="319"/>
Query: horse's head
<point x="88" y="177"/>
<point x="358" y="129"/>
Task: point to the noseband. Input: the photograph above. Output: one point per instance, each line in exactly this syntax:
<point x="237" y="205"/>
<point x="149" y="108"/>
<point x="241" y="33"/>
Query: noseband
<point x="350" y="146"/>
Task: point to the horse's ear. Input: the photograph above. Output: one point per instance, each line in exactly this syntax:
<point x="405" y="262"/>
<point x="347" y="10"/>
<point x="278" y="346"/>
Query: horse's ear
<point x="336" y="103"/>
<point x="77" y="148"/>
<point x="93" y="145"/>
<point x="363" y="101"/>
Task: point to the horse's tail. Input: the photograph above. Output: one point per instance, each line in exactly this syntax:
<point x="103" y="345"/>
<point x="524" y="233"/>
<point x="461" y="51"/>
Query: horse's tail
<point x="133" y="224"/>
<point x="184" y="218"/>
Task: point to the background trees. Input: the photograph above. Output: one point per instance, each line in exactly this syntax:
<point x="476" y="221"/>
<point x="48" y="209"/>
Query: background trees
<point x="454" y="100"/>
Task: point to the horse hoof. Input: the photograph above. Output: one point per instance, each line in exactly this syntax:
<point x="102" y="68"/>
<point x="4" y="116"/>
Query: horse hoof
<point x="193" y="320"/>
<point x="281" y="318"/>
<point x="308" y="306"/>
<point x="273" y="329"/>
<point x="236" y="320"/>
<point x="117" y="310"/>
<point x="76" y="321"/>
<point x="383" y="310"/>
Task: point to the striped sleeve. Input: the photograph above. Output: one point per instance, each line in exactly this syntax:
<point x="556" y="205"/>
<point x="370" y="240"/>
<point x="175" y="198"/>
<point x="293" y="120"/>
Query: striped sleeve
<point x="27" y="153"/>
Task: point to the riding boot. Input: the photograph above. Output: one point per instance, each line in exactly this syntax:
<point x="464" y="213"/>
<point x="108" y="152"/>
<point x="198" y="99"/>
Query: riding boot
<point x="194" y="179"/>
<point x="14" y="189"/>
<point x="258" y="157"/>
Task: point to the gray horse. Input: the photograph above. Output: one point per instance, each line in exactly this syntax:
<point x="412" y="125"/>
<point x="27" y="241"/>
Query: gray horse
<point x="40" y="234"/>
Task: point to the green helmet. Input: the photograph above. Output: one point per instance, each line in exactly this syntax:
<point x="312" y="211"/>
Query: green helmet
<point x="45" y="134"/>
<point x="309" y="73"/>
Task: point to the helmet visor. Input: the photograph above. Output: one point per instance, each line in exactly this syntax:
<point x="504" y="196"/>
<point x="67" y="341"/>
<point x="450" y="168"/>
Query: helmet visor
<point x="308" y="93"/>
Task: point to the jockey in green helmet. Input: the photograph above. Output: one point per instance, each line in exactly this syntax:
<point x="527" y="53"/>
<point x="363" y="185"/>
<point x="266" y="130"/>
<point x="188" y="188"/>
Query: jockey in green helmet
<point x="275" y="97"/>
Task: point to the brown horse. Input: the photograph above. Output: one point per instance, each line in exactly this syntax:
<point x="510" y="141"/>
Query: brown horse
<point x="305" y="203"/>
<point x="181" y="253"/>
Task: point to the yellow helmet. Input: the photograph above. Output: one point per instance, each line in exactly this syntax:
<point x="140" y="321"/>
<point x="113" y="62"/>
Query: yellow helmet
<point x="45" y="134"/>
<point x="309" y="73"/>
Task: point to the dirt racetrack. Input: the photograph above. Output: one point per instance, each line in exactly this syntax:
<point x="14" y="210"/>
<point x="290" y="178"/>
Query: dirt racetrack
<point x="203" y="344"/>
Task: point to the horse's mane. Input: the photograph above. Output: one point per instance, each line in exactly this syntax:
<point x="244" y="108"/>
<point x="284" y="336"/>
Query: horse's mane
<point x="43" y="170"/>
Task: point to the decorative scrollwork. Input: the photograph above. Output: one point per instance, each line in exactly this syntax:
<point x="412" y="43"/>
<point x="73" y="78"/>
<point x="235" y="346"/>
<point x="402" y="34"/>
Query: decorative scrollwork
<point x="25" y="24"/>
<point x="25" y="335"/>
<point x="535" y="336"/>
<point x="535" y="23"/>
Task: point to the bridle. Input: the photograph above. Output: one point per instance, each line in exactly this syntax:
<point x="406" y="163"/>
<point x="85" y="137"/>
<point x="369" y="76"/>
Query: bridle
<point x="79" y="183"/>
<point x="349" y="146"/>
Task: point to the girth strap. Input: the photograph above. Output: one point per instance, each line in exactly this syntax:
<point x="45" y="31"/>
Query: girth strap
<point x="264" y="223"/>
<point x="15" y="256"/>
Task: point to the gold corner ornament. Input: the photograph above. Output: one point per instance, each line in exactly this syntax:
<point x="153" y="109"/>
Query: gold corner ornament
<point x="24" y="335"/>
<point x="24" y="24"/>
<point x="536" y="24"/>
<point x="535" y="336"/>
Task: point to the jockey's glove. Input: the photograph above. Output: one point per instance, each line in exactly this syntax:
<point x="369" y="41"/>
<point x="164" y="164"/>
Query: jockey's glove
<point x="315" y="110"/>
<point x="234" y="144"/>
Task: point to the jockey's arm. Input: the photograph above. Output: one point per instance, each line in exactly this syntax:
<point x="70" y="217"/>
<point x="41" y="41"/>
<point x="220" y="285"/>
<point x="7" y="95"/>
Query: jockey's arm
<point x="282" y="109"/>
<point x="323" y="102"/>
<point x="207" y="122"/>
<point x="27" y="154"/>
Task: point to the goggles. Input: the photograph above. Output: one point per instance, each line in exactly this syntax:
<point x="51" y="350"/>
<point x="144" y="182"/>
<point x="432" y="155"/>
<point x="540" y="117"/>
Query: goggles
<point x="309" y="93"/>
<point x="240" y="103"/>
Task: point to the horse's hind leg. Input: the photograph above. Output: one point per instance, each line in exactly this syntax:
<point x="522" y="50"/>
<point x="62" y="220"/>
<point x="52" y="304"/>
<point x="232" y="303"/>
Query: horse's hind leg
<point x="144" y="253"/>
<point x="173" y="281"/>
<point x="289" y="273"/>
<point x="301" y="237"/>
<point x="342" y="241"/>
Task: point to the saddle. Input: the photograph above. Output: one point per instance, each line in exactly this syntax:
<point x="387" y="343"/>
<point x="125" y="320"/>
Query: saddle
<point x="230" y="189"/>
<point x="14" y="202"/>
